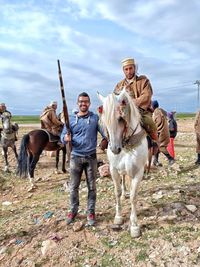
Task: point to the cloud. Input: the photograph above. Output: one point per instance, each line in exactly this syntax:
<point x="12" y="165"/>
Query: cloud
<point x="91" y="38"/>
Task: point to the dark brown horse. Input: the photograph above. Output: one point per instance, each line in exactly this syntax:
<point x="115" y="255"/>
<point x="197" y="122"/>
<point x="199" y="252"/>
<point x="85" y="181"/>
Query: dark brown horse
<point x="32" y="145"/>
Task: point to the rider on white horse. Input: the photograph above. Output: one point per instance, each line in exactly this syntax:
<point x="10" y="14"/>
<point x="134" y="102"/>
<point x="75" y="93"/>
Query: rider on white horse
<point x="140" y="90"/>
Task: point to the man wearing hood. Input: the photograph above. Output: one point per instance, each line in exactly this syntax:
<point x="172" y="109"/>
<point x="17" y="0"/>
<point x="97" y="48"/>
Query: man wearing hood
<point x="160" y="119"/>
<point x="49" y="119"/>
<point x="84" y="127"/>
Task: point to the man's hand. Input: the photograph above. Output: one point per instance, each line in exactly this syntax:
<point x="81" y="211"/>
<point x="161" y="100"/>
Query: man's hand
<point x="67" y="138"/>
<point x="103" y="144"/>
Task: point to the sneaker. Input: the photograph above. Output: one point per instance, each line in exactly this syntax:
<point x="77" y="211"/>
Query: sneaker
<point x="157" y="163"/>
<point x="91" y="219"/>
<point x="70" y="217"/>
<point x="171" y="162"/>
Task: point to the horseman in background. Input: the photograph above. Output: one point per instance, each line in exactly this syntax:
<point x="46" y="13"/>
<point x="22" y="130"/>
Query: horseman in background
<point x="2" y="110"/>
<point x="50" y="121"/>
<point x="139" y="88"/>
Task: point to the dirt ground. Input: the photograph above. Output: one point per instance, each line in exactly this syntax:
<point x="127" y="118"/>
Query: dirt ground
<point x="33" y="230"/>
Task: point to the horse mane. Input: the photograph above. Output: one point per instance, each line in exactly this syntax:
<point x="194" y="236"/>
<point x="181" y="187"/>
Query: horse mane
<point x="135" y="114"/>
<point x="109" y="108"/>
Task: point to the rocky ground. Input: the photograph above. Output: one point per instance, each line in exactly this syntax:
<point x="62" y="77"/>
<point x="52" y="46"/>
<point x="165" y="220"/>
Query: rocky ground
<point x="33" y="230"/>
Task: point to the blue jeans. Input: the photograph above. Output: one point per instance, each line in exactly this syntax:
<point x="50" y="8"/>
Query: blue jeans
<point x="79" y="164"/>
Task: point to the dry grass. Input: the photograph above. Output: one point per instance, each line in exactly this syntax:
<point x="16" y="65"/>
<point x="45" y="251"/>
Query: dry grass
<point x="169" y="231"/>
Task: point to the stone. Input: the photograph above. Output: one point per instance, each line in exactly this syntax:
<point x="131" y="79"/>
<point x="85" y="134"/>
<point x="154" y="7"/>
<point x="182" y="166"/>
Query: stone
<point x="191" y="208"/>
<point x="77" y="226"/>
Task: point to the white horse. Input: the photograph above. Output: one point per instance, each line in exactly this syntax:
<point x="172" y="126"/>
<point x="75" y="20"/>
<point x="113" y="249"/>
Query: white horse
<point x="127" y="150"/>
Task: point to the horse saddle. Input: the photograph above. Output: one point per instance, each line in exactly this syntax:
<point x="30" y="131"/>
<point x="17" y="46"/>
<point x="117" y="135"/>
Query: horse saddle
<point x="52" y="138"/>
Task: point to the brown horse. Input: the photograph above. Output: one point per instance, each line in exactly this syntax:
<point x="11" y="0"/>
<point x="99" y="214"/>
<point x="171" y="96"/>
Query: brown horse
<point x="32" y="145"/>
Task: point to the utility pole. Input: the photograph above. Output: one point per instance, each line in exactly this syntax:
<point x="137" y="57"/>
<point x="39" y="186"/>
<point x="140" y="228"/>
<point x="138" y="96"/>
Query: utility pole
<point x="198" y="87"/>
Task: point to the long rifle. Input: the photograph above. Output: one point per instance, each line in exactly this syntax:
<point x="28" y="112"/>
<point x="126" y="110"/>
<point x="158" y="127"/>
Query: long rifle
<point x="65" y="110"/>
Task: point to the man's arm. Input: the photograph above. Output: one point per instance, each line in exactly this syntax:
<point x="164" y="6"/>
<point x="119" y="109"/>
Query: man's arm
<point x="104" y="142"/>
<point x="144" y="99"/>
<point x="55" y="120"/>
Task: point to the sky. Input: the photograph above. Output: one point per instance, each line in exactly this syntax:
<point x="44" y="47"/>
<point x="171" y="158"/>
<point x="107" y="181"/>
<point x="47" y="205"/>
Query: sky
<point x="90" y="38"/>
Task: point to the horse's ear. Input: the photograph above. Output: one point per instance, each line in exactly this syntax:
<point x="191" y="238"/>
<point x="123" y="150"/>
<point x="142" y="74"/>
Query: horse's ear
<point x="101" y="98"/>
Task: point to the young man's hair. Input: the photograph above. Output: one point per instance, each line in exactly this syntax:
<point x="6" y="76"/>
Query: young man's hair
<point x="83" y="94"/>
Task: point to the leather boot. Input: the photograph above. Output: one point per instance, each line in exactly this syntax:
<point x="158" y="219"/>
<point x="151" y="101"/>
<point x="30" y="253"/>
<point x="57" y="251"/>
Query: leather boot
<point x="197" y="162"/>
<point x="169" y="157"/>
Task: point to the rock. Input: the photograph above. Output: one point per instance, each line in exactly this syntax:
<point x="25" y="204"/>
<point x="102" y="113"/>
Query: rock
<point x="3" y="249"/>
<point x="29" y="196"/>
<point x="116" y="227"/>
<point x="185" y="250"/>
<point x="47" y="245"/>
<point x="55" y="238"/>
<point x="12" y="241"/>
<point x="104" y="170"/>
<point x="77" y="226"/>
<point x="6" y="203"/>
<point x="191" y="208"/>
<point x="158" y="195"/>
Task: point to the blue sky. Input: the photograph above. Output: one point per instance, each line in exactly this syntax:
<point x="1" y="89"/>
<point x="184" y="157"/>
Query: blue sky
<point x="91" y="38"/>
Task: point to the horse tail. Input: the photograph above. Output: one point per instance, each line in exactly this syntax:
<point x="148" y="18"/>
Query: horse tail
<point x="22" y="168"/>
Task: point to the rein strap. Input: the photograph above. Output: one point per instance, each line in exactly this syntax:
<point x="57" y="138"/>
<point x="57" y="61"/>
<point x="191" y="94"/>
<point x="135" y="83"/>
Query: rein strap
<point x="133" y="140"/>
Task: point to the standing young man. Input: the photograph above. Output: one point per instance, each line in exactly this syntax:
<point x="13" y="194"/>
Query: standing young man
<point x="84" y="126"/>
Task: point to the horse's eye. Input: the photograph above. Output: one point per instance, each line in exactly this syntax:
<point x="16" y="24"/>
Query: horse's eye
<point x="123" y="103"/>
<point x="120" y="120"/>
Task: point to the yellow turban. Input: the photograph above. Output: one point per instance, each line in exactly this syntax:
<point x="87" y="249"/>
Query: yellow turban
<point x="128" y="61"/>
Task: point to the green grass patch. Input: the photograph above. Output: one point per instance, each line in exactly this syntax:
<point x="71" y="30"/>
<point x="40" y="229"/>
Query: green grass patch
<point x="26" y="119"/>
<point x="109" y="260"/>
<point x="185" y="115"/>
<point x="126" y="241"/>
<point x="142" y="255"/>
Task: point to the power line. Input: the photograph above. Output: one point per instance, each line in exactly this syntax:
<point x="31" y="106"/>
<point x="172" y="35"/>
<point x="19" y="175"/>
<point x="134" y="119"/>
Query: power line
<point x="198" y="85"/>
<point x="175" y="87"/>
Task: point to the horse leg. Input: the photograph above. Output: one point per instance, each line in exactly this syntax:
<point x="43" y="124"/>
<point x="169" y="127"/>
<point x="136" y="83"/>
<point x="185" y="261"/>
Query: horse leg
<point x="118" y="192"/>
<point x="57" y="158"/>
<point x="134" y="227"/>
<point x="125" y="193"/>
<point x="5" y="154"/>
<point x="15" y="151"/>
<point x="33" y="159"/>
<point x="64" y="150"/>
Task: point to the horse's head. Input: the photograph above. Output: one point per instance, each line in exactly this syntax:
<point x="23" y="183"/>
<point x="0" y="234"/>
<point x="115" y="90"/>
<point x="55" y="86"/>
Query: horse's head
<point x="115" y="117"/>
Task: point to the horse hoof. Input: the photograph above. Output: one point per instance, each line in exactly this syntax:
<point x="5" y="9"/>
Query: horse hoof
<point x="64" y="171"/>
<point x="135" y="231"/>
<point x="6" y="169"/>
<point x="32" y="188"/>
<point x="57" y="172"/>
<point x="118" y="220"/>
<point x="125" y="196"/>
<point x="122" y="197"/>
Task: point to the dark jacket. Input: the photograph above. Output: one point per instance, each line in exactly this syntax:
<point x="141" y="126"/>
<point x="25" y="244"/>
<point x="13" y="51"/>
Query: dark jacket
<point x="172" y="128"/>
